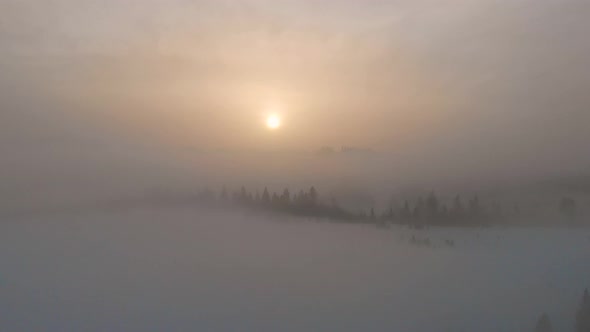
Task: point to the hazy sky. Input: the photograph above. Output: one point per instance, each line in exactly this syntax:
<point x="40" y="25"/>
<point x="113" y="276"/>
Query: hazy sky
<point x="437" y="88"/>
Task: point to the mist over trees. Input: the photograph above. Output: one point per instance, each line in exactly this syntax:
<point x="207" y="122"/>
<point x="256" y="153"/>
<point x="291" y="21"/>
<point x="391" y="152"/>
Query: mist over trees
<point x="414" y="212"/>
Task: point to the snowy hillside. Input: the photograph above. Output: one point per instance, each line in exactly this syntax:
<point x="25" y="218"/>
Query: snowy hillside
<point x="186" y="270"/>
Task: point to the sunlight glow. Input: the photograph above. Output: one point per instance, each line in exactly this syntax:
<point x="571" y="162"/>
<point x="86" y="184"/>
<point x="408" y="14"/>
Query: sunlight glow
<point x="273" y="121"/>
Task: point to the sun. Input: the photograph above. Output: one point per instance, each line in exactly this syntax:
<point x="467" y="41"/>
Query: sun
<point x="273" y="121"/>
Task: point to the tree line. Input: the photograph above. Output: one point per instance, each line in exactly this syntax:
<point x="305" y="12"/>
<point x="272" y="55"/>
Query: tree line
<point x="582" y="319"/>
<point x="303" y="203"/>
<point x="423" y="211"/>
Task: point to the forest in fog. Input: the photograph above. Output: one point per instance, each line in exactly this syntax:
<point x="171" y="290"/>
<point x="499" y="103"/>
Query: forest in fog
<point x="417" y="212"/>
<point x="294" y="165"/>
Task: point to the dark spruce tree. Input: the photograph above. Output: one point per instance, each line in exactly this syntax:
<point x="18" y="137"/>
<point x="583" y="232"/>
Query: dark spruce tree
<point x="276" y="201"/>
<point x="583" y="314"/>
<point x="257" y="198"/>
<point x="243" y="196"/>
<point x="475" y="211"/>
<point x="286" y="198"/>
<point x="265" y="197"/>
<point x="567" y="207"/>
<point x="457" y="211"/>
<point x="223" y="197"/>
<point x="313" y="196"/>
<point x="406" y="213"/>
<point x="390" y="215"/>
<point x="432" y="207"/>
<point x="543" y="324"/>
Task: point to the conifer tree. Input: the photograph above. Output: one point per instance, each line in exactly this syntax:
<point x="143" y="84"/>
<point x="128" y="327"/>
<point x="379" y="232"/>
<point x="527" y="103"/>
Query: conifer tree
<point x="583" y="314"/>
<point x="286" y="198"/>
<point x="432" y="206"/>
<point x="543" y="324"/>
<point x="313" y="196"/>
<point x="265" y="197"/>
<point x="457" y="211"/>
<point x="223" y="195"/>
<point x="567" y="207"/>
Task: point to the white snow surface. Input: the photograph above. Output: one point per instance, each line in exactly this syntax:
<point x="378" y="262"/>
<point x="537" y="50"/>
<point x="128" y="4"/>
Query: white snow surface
<point x="192" y="270"/>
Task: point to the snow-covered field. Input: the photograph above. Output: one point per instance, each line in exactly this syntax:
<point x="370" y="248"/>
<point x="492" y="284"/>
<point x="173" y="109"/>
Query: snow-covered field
<point x="186" y="270"/>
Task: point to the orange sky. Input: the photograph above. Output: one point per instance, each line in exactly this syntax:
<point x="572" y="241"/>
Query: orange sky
<point x="430" y="85"/>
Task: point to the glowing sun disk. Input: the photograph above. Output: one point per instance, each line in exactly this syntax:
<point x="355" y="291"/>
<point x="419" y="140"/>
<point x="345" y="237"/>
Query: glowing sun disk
<point x="273" y="121"/>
